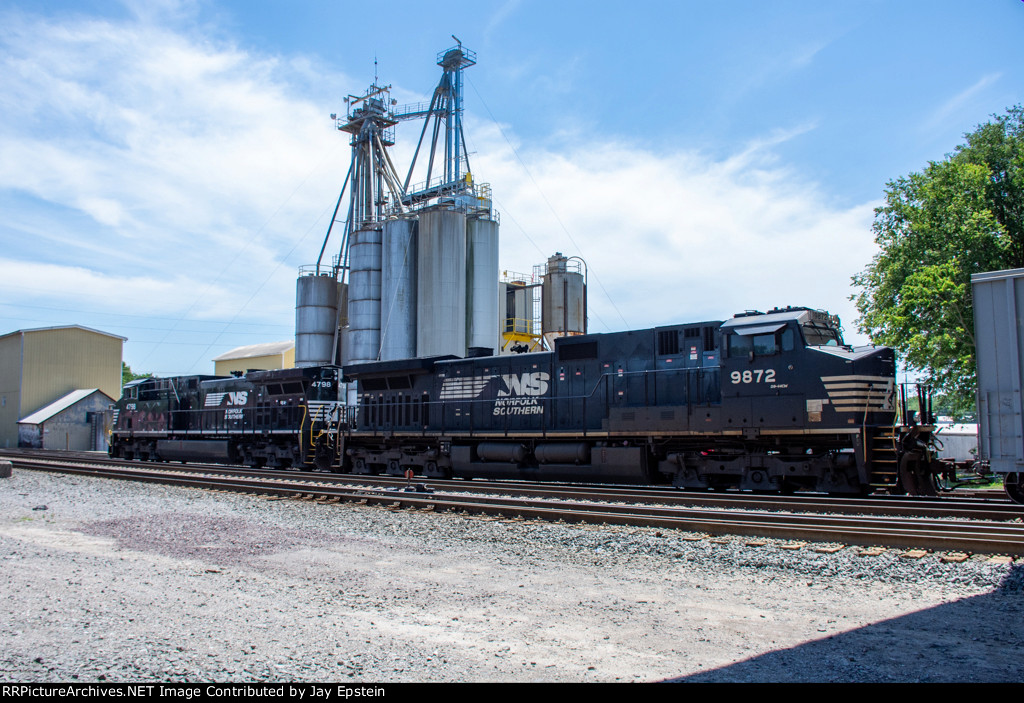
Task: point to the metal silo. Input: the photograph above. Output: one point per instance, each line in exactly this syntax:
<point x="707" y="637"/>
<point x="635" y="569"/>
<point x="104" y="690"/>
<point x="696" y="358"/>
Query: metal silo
<point x="564" y="295"/>
<point x="398" y="290"/>
<point x="363" y="339"/>
<point x="441" y="284"/>
<point x="316" y="318"/>
<point x="481" y="284"/>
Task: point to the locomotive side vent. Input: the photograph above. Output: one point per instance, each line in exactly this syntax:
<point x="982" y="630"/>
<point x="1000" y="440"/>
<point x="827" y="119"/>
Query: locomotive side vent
<point x="709" y="338"/>
<point x="571" y="352"/>
<point x="668" y="342"/>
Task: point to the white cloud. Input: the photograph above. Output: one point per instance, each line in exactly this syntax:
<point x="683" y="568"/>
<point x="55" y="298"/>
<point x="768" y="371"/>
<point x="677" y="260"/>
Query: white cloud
<point x="106" y="211"/>
<point x="83" y="285"/>
<point x="500" y="15"/>
<point x="170" y="144"/>
<point x="678" y="236"/>
<point x="954" y="104"/>
<point x="164" y="174"/>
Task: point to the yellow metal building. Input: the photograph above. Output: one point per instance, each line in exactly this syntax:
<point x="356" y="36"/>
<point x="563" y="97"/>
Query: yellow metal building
<point x="39" y="366"/>
<point x="270" y="355"/>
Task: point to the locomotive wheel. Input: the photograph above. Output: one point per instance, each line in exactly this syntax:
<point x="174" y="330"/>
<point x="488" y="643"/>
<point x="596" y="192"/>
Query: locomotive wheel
<point x="915" y="477"/>
<point x="1013" y="484"/>
<point x="361" y="466"/>
<point x="432" y="470"/>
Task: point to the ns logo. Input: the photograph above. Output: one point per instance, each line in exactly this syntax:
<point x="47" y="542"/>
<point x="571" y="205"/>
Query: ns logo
<point x="531" y="384"/>
<point x="238" y="397"/>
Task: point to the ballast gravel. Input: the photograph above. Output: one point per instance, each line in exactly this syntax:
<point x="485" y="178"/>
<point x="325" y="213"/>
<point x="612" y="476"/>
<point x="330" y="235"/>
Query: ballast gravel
<point x="118" y="581"/>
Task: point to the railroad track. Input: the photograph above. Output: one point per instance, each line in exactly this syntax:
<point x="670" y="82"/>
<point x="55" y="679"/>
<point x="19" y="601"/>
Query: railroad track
<point x="967" y="535"/>
<point x="994" y="508"/>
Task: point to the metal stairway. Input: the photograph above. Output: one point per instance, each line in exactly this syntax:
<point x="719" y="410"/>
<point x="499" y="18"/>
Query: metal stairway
<point x="882" y="458"/>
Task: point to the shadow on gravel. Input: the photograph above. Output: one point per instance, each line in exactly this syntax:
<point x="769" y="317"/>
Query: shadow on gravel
<point x="978" y="639"/>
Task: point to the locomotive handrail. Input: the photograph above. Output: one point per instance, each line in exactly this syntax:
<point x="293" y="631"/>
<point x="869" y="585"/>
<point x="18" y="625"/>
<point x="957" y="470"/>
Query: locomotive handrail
<point x="923" y="391"/>
<point x="383" y="414"/>
<point x="264" y="418"/>
<point x="248" y="421"/>
<point x="694" y="391"/>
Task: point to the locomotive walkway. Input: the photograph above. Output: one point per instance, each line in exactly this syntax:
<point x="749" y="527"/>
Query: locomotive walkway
<point x="958" y="526"/>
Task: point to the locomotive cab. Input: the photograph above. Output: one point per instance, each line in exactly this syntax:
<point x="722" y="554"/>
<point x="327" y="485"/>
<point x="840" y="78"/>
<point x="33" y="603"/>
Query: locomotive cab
<point x="763" y="370"/>
<point x="802" y="404"/>
<point x="796" y="369"/>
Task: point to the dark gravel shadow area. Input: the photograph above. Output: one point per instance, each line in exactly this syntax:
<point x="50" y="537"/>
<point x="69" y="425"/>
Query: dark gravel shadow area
<point x="955" y="642"/>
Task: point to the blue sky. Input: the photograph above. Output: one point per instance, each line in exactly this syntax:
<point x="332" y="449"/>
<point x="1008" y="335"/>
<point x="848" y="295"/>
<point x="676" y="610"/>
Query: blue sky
<point x="165" y="167"/>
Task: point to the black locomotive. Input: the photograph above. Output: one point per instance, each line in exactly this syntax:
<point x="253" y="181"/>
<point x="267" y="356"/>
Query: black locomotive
<point x="764" y="401"/>
<point x="278" y="419"/>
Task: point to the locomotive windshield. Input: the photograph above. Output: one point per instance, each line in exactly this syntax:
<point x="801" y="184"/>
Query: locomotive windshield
<point x="818" y="334"/>
<point x="761" y="341"/>
<point x="762" y="334"/>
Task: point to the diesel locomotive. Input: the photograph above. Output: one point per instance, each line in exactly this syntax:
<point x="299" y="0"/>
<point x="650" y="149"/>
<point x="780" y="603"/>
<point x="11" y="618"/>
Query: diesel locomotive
<point x="770" y="401"/>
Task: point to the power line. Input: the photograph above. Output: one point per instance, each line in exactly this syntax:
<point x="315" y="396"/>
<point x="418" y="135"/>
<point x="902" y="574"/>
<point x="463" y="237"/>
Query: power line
<point x="131" y="315"/>
<point x="244" y="247"/>
<point x="545" y="198"/>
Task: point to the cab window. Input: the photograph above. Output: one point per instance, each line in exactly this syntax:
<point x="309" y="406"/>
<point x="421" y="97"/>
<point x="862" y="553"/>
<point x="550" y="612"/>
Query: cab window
<point x="818" y="335"/>
<point x="741" y="345"/>
<point x="765" y="344"/>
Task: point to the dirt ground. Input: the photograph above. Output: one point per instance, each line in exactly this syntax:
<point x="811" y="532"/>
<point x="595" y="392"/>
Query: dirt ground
<point x="125" y="582"/>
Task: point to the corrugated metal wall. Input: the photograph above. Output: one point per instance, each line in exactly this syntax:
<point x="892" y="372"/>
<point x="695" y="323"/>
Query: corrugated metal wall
<point x="999" y="332"/>
<point x="10" y="389"/>
<point x="50" y="364"/>
<point x="269" y="361"/>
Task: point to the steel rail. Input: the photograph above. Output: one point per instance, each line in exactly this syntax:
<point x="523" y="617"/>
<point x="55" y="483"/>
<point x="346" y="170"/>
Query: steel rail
<point x="979" y="509"/>
<point x="970" y="536"/>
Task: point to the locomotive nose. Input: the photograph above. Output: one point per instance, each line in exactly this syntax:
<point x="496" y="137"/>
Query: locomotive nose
<point x="863" y="360"/>
<point x="879" y="361"/>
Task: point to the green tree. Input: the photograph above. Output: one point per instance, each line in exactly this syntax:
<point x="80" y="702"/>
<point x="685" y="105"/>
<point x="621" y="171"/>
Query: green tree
<point x="960" y="216"/>
<point x="128" y="375"/>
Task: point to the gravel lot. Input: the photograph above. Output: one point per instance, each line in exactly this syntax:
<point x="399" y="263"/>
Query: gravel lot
<point x="118" y="581"/>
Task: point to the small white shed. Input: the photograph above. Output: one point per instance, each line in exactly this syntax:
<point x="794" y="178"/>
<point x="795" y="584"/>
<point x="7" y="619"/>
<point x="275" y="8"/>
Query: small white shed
<point x="80" y="420"/>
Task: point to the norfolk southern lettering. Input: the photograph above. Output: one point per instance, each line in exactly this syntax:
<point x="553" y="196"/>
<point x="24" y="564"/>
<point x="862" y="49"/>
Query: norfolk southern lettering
<point x="520" y="394"/>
